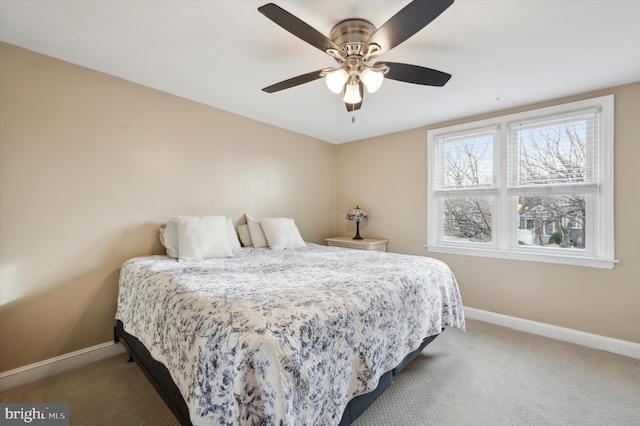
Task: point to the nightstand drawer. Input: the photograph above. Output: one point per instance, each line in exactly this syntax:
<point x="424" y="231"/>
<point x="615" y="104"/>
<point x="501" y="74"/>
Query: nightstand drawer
<point x="372" y="244"/>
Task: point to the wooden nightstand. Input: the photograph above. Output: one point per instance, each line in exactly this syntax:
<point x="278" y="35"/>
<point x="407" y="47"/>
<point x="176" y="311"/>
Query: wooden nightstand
<point x="364" y="244"/>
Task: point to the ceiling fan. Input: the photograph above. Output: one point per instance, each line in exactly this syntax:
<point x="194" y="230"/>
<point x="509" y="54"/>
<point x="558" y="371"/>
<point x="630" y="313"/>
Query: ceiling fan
<point x="354" y="42"/>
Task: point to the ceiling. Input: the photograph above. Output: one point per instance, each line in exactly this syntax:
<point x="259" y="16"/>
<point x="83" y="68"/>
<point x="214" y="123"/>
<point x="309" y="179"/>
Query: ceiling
<point x="501" y="53"/>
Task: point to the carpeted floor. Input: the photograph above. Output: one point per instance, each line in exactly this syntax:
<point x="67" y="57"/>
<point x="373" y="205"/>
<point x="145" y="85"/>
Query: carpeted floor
<point x="489" y="375"/>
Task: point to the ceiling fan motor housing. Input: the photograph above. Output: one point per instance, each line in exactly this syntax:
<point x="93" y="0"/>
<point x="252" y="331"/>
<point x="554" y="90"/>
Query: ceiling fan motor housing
<point x="351" y="35"/>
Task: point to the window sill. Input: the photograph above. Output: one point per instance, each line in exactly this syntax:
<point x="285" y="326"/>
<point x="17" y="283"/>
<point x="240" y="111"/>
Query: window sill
<point x="591" y="262"/>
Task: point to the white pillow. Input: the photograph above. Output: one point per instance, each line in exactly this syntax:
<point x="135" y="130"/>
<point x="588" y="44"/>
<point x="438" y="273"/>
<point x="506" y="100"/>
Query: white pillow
<point x="258" y="238"/>
<point x="281" y="233"/>
<point x="234" y="243"/>
<point x="203" y="237"/>
<point x="161" y="236"/>
<point x="169" y="237"/>
<point x="245" y="238"/>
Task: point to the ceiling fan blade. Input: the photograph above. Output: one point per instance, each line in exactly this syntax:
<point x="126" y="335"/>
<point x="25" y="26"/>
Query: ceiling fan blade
<point x="411" y="19"/>
<point x="415" y="74"/>
<point x="297" y="27"/>
<point x="294" y="81"/>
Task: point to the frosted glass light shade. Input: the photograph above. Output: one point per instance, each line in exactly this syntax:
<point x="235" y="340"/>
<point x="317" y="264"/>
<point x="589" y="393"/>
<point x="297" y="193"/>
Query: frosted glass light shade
<point x="336" y="79"/>
<point x="372" y="79"/>
<point x="352" y="94"/>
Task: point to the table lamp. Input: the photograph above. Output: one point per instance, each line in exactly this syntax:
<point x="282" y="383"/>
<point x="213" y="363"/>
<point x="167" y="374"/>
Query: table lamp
<point x="357" y="215"/>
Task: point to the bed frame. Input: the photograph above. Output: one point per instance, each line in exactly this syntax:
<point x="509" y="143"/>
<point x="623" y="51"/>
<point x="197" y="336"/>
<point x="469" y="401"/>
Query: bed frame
<point x="161" y="380"/>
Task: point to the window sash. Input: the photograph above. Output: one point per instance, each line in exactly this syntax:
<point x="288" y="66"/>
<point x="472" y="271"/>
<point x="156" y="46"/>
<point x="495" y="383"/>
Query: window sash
<point x="483" y="143"/>
<point x="588" y="239"/>
<point x="573" y="150"/>
<point x="476" y="239"/>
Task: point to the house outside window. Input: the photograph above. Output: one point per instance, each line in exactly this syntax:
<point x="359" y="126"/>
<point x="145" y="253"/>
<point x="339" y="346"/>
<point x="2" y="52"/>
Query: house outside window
<point x="534" y="186"/>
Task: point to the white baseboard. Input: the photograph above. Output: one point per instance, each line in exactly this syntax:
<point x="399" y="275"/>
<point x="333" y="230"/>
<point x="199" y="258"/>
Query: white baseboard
<point x="40" y="370"/>
<point x="595" y="341"/>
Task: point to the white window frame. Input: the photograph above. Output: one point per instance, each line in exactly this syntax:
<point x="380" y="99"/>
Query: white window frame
<point x="599" y="228"/>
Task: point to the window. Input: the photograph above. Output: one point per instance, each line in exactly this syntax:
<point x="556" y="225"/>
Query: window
<point x="532" y="186"/>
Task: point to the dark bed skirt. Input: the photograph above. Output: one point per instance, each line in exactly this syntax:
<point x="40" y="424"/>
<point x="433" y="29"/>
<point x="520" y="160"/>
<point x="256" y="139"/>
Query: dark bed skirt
<point x="161" y="380"/>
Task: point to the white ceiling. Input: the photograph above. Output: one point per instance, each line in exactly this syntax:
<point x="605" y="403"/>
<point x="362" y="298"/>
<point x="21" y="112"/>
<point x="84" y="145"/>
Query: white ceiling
<point x="501" y="53"/>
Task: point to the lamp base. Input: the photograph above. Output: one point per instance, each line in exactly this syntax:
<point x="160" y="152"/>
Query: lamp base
<point x="357" y="237"/>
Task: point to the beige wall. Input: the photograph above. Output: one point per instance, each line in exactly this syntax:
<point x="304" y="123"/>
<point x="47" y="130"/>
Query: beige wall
<point x="387" y="177"/>
<point x="91" y="165"/>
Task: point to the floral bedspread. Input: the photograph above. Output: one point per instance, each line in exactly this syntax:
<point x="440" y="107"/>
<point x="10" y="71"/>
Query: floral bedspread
<point x="284" y="337"/>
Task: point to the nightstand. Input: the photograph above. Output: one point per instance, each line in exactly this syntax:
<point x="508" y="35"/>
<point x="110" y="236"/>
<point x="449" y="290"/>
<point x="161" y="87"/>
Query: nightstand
<point x="373" y="244"/>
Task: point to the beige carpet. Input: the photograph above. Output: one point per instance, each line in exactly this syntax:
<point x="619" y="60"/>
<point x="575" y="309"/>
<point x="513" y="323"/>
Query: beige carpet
<point x="487" y="376"/>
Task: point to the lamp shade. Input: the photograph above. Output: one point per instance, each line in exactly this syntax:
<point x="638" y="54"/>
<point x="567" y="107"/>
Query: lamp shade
<point x="372" y="79"/>
<point x="357" y="215"/>
<point x="336" y="79"/>
<point x="352" y="93"/>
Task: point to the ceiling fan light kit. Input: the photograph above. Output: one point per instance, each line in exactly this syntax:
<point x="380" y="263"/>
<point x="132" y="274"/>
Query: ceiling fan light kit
<point x="354" y="42"/>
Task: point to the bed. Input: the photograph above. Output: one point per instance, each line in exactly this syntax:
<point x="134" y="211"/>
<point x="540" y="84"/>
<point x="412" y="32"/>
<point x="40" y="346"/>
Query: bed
<point x="302" y="336"/>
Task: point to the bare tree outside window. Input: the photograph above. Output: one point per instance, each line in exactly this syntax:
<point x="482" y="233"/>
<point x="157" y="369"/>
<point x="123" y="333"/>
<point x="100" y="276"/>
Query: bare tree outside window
<point x="468" y="164"/>
<point x="548" y="154"/>
<point x="552" y="154"/>
<point x="468" y="218"/>
<point x="552" y="221"/>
